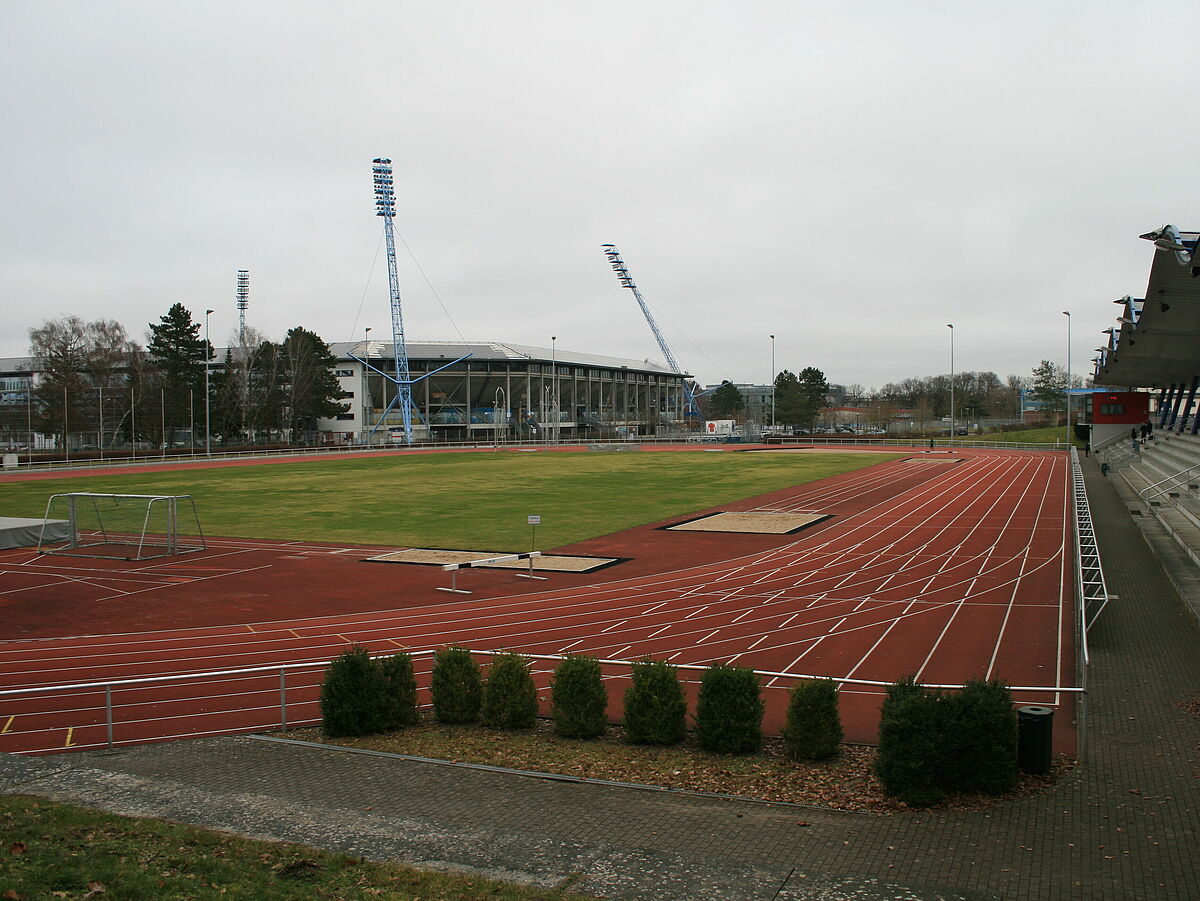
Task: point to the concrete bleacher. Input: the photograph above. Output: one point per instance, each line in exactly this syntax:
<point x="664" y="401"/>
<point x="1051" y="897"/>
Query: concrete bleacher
<point x="1161" y="479"/>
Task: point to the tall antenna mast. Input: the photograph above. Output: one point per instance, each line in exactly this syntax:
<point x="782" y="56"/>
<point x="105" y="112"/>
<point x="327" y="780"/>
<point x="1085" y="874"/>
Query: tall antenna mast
<point x="385" y="206"/>
<point x="243" y="304"/>
<point x="626" y="280"/>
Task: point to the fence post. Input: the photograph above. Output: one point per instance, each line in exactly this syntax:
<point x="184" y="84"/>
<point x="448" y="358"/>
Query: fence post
<point x="108" y="717"/>
<point x="283" y="698"/>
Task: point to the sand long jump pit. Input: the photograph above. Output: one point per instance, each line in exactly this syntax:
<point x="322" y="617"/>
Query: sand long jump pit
<point x="761" y="523"/>
<point x="559" y="563"/>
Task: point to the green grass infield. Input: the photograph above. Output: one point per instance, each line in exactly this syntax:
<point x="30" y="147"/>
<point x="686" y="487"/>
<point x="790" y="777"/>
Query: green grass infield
<point x="457" y="500"/>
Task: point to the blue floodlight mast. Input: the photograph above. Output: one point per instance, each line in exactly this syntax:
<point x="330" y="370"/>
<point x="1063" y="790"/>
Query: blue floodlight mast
<point x="385" y="206"/>
<point x="626" y="280"/>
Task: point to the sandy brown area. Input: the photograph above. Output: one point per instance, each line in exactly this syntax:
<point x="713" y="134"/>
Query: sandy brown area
<point x="760" y="523"/>
<point x="548" y="562"/>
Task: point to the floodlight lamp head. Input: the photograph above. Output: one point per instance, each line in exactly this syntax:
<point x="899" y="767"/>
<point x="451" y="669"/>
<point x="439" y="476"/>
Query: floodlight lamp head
<point x="243" y="289"/>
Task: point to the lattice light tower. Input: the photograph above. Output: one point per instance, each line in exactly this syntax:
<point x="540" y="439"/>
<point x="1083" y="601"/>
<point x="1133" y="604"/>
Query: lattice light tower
<point x="385" y="206"/>
<point x="243" y="304"/>
<point x="626" y="280"/>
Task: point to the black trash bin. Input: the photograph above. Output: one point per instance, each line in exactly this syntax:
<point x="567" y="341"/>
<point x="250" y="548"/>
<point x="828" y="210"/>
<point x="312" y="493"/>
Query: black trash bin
<point x="1035" y="734"/>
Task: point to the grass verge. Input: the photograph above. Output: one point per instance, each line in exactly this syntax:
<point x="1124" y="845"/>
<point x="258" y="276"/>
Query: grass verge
<point x="53" y="850"/>
<point x="477" y="501"/>
<point x="847" y="782"/>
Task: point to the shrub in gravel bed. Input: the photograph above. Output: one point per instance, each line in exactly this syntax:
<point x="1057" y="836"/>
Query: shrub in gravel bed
<point x="509" y="697"/>
<point x="579" y="699"/>
<point x="456" y="686"/>
<point x="353" y="695"/>
<point x="813" y="730"/>
<point x="400" y="687"/>
<point x="729" y="710"/>
<point x="655" y="708"/>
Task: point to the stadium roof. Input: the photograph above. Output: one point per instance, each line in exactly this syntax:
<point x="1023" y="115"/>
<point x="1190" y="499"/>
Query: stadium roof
<point x="1157" y="340"/>
<point x="496" y="350"/>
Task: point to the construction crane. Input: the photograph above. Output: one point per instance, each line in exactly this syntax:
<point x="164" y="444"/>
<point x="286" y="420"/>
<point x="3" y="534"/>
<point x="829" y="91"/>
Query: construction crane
<point x="626" y="280"/>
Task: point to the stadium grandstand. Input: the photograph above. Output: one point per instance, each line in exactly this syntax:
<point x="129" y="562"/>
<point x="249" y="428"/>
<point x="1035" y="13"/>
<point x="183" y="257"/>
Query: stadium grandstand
<point x="1145" y="426"/>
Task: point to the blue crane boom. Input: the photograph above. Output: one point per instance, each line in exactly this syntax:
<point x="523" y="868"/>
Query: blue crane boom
<point x="626" y="280"/>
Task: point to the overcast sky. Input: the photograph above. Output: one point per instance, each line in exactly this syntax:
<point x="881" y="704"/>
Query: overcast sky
<point x="847" y="176"/>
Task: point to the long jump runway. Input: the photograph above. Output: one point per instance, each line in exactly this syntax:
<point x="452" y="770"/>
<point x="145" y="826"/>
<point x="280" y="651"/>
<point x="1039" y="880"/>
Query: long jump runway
<point x="945" y="568"/>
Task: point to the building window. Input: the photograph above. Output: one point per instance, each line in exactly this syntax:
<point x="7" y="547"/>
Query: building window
<point x="1112" y="409"/>
<point x="345" y="416"/>
<point x="344" y="373"/>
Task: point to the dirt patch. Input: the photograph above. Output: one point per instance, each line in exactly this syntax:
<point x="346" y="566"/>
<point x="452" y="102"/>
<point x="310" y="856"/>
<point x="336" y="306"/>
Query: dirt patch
<point x="750" y="523"/>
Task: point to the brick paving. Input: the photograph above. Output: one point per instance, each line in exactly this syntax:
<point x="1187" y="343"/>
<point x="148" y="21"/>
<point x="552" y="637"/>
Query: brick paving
<point x="1124" y="825"/>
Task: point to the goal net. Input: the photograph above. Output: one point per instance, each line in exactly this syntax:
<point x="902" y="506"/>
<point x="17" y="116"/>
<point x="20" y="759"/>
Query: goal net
<point x="123" y="526"/>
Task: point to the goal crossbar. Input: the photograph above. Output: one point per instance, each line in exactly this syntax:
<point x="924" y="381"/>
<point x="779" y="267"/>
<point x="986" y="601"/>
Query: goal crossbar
<point x="108" y="525"/>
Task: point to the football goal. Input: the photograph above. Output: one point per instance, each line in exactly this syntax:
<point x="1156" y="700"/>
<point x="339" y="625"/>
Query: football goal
<point x="123" y="526"/>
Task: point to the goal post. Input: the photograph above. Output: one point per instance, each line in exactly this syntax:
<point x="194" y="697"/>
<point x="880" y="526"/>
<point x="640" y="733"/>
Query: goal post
<point x="123" y="526"/>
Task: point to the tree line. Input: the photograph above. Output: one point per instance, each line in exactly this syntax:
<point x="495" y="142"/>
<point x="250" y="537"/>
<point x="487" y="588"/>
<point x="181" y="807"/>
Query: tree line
<point x="93" y="377"/>
<point x="800" y="398"/>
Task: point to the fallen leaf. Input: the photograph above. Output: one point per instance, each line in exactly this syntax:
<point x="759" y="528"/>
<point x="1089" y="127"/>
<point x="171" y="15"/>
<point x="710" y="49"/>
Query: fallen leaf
<point x="95" y="888"/>
<point x="17" y="849"/>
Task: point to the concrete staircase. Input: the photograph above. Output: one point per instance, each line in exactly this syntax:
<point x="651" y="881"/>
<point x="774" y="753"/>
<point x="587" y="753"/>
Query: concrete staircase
<point x="1163" y="481"/>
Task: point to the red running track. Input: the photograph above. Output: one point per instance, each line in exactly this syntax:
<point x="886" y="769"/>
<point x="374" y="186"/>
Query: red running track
<point x="946" y="567"/>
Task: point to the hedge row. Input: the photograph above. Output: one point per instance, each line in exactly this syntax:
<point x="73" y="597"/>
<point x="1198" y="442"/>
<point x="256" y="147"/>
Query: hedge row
<point x="361" y="696"/>
<point x="930" y="744"/>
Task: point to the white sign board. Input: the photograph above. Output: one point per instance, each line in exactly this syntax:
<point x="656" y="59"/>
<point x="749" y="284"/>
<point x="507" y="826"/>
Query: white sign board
<point x="534" y="520"/>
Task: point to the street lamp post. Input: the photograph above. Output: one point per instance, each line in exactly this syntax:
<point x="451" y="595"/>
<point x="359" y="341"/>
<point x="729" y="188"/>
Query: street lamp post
<point x="366" y="395"/>
<point x="1067" y="313"/>
<point x="950" y="325"/>
<point x="772" y="383"/>
<point x="207" y="369"/>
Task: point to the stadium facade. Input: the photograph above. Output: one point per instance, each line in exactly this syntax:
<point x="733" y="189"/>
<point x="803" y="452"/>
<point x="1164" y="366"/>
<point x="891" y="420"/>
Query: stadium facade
<point x="489" y="390"/>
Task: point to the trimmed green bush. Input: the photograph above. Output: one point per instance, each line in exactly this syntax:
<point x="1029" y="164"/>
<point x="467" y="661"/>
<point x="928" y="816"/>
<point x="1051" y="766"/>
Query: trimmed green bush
<point x="813" y="730"/>
<point x="910" y="754"/>
<point x="655" y="708"/>
<point x="456" y="686"/>
<point x="578" y="698"/>
<point x="980" y="739"/>
<point x="729" y="710"/>
<point x="400" y="691"/>
<point x="510" y="697"/>
<point x="353" y="695"/>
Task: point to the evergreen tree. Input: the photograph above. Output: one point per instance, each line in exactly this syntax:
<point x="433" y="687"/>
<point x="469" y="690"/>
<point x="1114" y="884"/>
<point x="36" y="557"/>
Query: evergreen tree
<point x="814" y="727"/>
<point x="789" y="402"/>
<point x="729" y="710"/>
<point x="179" y="355"/>
<point x="726" y="402"/>
<point x="509" y="697"/>
<point x="655" y="708"/>
<point x="1049" y="383"/>
<point x="813" y="387"/>
<point x="579" y="700"/>
<point x="313" y="391"/>
<point x="456" y="686"/>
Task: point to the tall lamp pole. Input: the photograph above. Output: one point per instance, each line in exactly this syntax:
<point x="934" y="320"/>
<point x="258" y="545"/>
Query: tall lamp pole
<point x="366" y="396"/>
<point x="207" y="370"/>
<point x="1067" y="313"/>
<point x="772" y="383"/>
<point x="554" y="388"/>
<point x="950" y="325"/>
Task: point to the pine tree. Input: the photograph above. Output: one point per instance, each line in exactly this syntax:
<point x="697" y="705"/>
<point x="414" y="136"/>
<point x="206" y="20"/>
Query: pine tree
<point x="313" y="391"/>
<point x="726" y="401"/>
<point x="178" y="354"/>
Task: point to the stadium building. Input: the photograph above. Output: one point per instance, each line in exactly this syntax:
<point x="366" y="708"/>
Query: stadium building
<point x="489" y="390"/>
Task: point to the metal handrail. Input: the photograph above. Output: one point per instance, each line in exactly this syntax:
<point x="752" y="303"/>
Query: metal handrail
<point x="1183" y="472"/>
<point x="284" y="668"/>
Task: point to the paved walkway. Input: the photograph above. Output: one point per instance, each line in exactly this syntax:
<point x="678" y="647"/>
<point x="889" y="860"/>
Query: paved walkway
<point x="1125" y="825"/>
